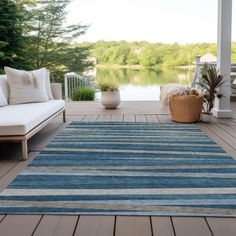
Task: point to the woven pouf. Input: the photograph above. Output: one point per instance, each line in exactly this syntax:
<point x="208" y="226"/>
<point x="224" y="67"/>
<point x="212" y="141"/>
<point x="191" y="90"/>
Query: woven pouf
<point x="186" y="108"/>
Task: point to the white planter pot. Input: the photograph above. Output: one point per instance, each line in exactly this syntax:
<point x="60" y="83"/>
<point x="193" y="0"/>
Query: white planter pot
<point x="206" y="117"/>
<point x="110" y="100"/>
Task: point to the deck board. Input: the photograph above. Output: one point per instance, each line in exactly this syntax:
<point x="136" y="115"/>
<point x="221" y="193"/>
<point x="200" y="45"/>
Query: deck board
<point x="152" y="118"/>
<point x="162" y="226"/>
<point x="104" y="117"/>
<point x="140" y="118"/>
<point x="219" y="140"/>
<point x="228" y="128"/>
<point x="222" y="226"/>
<point x="7" y="167"/>
<point x="56" y="225"/>
<point x="129" y="118"/>
<point x="95" y="225"/>
<point x="133" y="226"/>
<point x="191" y="226"/>
<point x="2" y="217"/>
<point x="90" y="117"/>
<point x="164" y="119"/>
<point x="222" y="131"/>
<point x="116" y="117"/>
<point x="75" y="118"/>
<point x="2" y="163"/>
<point x="11" y="174"/>
<point x="22" y="225"/>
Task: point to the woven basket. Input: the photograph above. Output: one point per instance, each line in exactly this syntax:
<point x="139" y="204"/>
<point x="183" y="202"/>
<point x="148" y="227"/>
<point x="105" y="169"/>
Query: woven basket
<point x="186" y="108"/>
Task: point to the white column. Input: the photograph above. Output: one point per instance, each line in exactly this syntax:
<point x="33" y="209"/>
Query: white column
<point x="222" y="105"/>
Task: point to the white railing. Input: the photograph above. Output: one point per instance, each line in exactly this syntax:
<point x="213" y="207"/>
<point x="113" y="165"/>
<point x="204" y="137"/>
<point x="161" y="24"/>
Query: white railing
<point x="199" y="66"/>
<point x="197" y="73"/>
<point x="73" y="81"/>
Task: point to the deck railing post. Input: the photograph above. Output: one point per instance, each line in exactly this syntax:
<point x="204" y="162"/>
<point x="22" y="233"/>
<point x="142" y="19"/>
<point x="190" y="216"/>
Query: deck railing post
<point x="66" y="87"/>
<point x="197" y="72"/>
<point x="73" y="81"/>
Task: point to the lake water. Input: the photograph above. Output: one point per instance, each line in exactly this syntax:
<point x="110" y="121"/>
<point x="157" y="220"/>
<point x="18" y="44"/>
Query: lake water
<point x="141" y="85"/>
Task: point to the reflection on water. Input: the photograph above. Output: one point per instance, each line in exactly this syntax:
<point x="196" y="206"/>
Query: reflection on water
<point x="139" y="85"/>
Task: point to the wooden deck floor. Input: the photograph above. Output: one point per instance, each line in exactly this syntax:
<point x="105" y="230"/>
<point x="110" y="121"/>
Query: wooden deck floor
<point x="222" y="131"/>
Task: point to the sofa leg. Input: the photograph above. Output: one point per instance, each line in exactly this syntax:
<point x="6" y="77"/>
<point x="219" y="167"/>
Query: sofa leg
<point x="24" y="150"/>
<point x="64" y="116"/>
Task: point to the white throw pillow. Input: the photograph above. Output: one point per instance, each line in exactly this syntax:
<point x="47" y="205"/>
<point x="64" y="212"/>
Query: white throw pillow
<point x="3" y="99"/>
<point x="27" y="86"/>
<point x="48" y="86"/>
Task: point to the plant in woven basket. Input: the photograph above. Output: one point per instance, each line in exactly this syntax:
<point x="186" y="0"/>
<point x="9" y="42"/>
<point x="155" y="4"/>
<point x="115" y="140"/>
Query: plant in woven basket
<point x="210" y="82"/>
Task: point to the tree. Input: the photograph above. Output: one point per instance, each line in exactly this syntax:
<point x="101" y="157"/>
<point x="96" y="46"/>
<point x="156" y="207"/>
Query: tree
<point x="233" y="57"/>
<point x="11" y="41"/>
<point x="48" y="40"/>
<point x="149" y="56"/>
<point x="119" y="54"/>
<point x="2" y="55"/>
<point x="133" y="59"/>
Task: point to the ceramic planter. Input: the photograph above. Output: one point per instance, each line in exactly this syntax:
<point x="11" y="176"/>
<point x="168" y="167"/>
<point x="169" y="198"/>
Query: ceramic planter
<point x="206" y="117"/>
<point x="110" y="100"/>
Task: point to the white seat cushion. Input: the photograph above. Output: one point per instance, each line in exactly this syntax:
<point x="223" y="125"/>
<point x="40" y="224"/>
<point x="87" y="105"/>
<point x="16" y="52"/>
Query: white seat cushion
<point x="20" y="119"/>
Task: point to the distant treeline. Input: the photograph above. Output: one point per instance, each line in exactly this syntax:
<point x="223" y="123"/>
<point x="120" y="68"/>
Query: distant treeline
<point x="145" y="54"/>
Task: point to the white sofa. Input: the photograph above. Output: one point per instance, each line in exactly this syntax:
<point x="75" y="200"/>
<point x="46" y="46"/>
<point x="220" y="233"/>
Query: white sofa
<point x="21" y="122"/>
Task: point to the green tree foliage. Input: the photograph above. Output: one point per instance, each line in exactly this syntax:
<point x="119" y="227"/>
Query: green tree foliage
<point x="11" y="41"/>
<point x="233" y="58"/>
<point x="115" y="52"/>
<point x="49" y="43"/>
<point x="151" y="55"/>
<point x="133" y="59"/>
<point x="2" y="54"/>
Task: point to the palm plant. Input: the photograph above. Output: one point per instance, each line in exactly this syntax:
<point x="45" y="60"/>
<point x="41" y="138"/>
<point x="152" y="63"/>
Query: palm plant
<point x="210" y="81"/>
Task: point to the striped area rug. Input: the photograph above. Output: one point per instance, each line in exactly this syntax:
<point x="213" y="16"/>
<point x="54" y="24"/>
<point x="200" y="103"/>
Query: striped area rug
<point x="126" y="169"/>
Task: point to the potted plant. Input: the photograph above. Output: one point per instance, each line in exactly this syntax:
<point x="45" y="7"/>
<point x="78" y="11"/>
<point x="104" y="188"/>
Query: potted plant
<point x="110" y="95"/>
<point x="210" y="82"/>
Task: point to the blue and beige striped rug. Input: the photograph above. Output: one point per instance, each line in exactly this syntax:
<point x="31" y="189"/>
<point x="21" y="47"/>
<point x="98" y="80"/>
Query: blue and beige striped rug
<point x="126" y="169"/>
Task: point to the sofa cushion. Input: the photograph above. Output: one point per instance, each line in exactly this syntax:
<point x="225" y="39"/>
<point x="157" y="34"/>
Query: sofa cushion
<point x="26" y="87"/>
<point x="48" y="86"/>
<point x="3" y="92"/>
<point x="20" y="119"/>
<point x="4" y="86"/>
<point x="3" y="99"/>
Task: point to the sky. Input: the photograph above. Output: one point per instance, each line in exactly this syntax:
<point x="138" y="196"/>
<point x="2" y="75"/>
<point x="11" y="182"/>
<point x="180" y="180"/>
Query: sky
<point x="166" y="21"/>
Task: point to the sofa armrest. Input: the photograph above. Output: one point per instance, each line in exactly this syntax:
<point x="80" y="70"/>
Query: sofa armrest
<point x="56" y="91"/>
